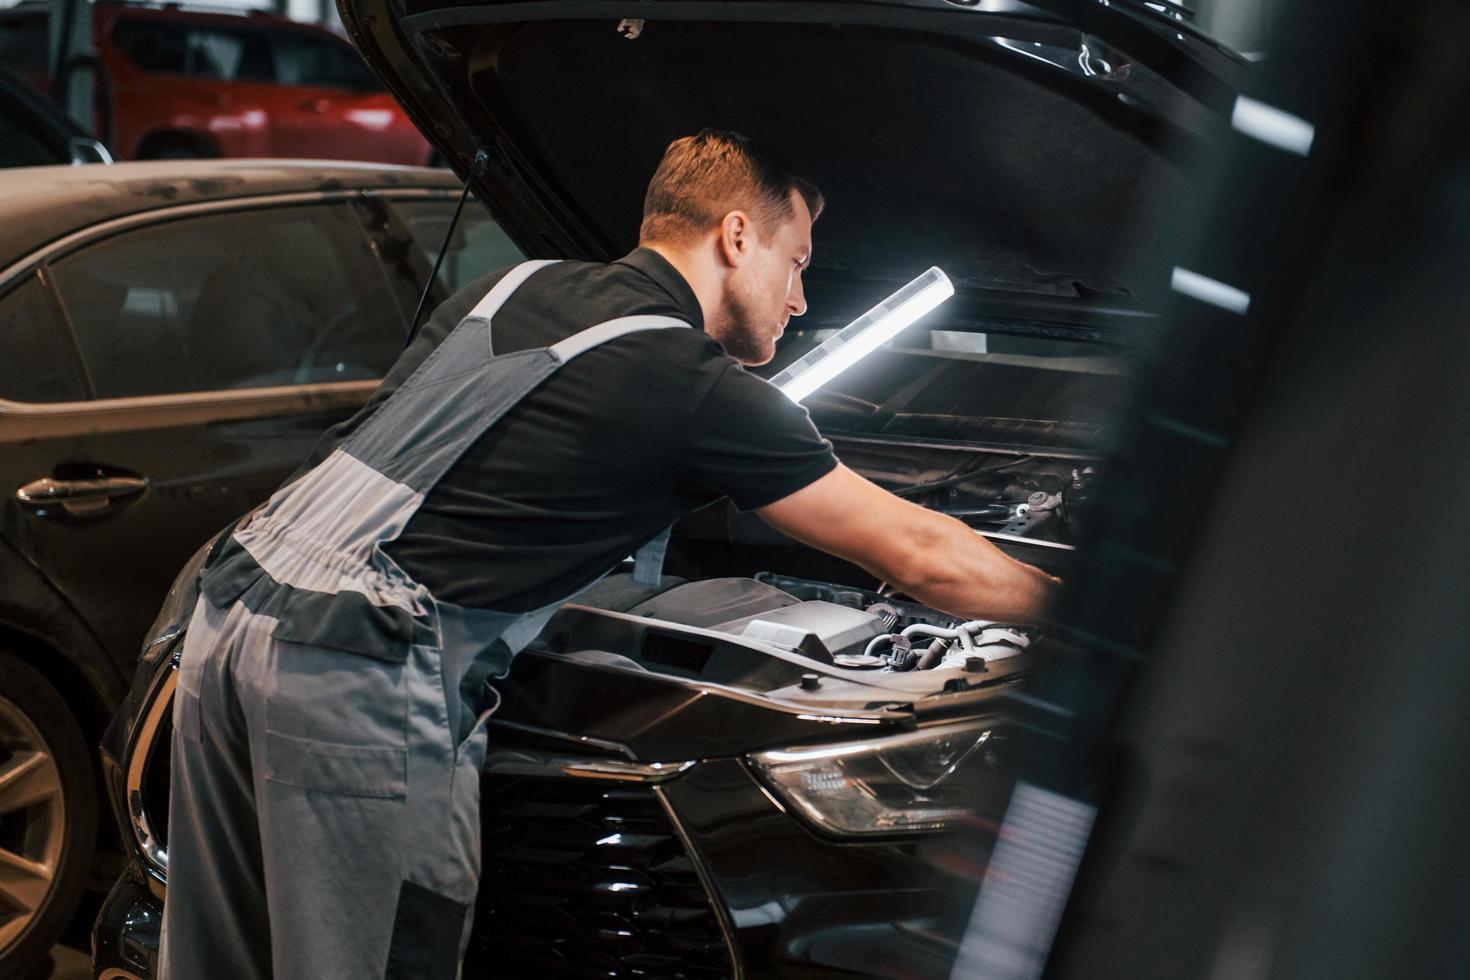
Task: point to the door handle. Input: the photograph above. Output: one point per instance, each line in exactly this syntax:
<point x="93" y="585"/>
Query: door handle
<point x="316" y="105"/>
<point x="80" y="498"/>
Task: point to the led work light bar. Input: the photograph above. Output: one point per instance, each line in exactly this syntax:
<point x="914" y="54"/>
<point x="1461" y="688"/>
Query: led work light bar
<point x="864" y="335"/>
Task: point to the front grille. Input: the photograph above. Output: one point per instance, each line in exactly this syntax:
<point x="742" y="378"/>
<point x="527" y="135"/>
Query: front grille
<point x="585" y="878"/>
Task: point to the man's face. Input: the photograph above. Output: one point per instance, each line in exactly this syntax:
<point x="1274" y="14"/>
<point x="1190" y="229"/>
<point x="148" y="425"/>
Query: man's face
<point x="764" y="291"/>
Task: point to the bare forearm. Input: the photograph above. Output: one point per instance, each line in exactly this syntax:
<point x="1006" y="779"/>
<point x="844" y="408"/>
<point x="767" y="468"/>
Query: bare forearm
<point x="934" y="558"/>
<point x="965" y="575"/>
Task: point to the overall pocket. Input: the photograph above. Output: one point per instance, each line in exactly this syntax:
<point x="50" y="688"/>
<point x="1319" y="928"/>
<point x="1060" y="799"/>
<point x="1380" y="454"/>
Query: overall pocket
<point x="375" y="771"/>
<point x="336" y="722"/>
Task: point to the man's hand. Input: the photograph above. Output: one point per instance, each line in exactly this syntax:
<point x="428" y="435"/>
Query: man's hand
<point x="932" y="557"/>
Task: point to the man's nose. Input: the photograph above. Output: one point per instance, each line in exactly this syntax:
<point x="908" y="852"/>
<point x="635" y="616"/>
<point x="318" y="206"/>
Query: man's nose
<point x="796" y="299"/>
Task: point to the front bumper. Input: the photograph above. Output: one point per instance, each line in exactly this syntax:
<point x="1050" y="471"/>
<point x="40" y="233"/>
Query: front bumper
<point x="700" y="876"/>
<point x="126" y="933"/>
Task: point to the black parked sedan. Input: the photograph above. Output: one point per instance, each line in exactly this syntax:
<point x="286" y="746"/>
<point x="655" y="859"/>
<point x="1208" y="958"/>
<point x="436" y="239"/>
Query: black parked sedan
<point x="174" y="336"/>
<point x="772" y="764"/>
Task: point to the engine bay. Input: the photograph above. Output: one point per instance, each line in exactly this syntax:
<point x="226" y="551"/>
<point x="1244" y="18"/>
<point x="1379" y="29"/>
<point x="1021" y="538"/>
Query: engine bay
<point x="844" y="626"/>
<point x="748" y="607"/>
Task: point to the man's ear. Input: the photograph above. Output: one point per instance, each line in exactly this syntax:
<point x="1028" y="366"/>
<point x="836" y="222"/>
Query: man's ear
<point x="736" y="237"/>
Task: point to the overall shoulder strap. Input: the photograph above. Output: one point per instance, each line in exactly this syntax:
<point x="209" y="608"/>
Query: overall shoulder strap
<point x="582" y="342"/>
<point x="648" y="561"/>
<point x="487" y="307"/>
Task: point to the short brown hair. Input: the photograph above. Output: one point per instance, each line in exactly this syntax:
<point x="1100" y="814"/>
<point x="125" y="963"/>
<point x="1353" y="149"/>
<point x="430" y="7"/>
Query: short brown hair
<point x="704" y="177"/>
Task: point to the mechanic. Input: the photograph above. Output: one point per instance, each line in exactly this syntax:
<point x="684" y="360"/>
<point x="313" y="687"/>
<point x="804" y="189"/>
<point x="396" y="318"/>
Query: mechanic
<point x="330" y="730"/>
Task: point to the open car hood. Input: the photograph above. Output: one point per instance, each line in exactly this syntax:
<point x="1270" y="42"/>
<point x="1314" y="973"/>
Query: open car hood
<point x="1011" y="144"/>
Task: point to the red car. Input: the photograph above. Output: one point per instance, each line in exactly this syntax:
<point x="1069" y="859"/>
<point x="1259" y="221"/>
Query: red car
<point x="181" y="83"/>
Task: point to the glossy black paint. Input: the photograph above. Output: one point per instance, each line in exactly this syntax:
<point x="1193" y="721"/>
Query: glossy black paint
<point x="81" y="583"/>
<point x="803" y="904"/>
<point x="798" y="902"/>
<point x="790" y="899"/>
<point x="590" y="878"/>
<point x="126" y="934"/>
<point x="201" y="477"/>
<point x="794" y="901"/>
<point x="514" y="113"/>
<point x="86" y="586"/>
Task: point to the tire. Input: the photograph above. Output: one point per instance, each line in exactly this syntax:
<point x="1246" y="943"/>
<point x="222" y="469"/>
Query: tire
<point x="48" y="815"/>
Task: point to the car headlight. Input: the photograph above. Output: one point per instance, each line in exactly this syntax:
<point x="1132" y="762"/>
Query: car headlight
<point x="919" y="781"/>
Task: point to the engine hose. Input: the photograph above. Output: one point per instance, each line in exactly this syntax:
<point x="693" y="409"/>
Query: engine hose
<point x="873" y="643"/>
<point x="931" y="657"/>
<point x="938" y="632"/>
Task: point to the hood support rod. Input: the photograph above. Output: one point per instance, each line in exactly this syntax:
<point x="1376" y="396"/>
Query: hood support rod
<point x="477" y="169"/>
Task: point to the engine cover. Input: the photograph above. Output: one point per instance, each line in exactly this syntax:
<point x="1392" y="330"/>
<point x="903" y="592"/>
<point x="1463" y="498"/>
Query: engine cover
<point x="757" y="611"/>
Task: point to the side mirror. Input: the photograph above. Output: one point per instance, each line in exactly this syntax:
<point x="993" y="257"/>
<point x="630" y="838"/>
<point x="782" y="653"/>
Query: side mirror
<point x="88" y="151"/>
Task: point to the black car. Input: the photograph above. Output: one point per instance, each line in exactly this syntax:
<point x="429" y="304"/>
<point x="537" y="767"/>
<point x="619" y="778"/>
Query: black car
<point x="34" y="131"/>
<point x="772" y="764"/>
<point x="175" y="337"/>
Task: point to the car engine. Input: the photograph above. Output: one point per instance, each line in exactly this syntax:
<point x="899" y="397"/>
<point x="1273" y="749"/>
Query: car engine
<point x="844" y="626"/>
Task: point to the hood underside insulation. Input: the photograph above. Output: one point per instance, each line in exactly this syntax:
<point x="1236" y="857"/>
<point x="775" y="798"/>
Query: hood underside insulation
<point x="930" y="149"/>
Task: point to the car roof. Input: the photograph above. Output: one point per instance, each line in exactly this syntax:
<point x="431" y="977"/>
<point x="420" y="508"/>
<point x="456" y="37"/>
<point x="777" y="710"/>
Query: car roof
<point x="41" y="204"/>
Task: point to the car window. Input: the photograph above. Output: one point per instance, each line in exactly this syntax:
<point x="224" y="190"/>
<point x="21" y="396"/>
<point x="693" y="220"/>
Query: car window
<point x="21" y="145"/>
<point x="36" y="366"/>
<point x="199" y="52"/>
<point x="324" y="62"/>
<point x="231" y="55"/>
<point x="479" y="245"/>
<point x="272" y="296"/>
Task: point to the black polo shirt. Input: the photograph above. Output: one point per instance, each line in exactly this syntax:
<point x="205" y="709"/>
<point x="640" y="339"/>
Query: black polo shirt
<point x="617" y="445"/>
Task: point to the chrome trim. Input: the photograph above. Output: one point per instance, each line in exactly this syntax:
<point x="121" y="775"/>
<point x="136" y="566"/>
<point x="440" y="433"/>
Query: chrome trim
<point x="80" y="146"/>
<point x="883" y="743"/>
<point x="528" y="762"/>
<point x="141" y="745"/>
<point x="48" y="490"/>
<point x="155" y="215"/>
<point x="764" y="764"/>
<point x="60" y="419"/>
<point x="994" y="449"/>
<point x="1028" y="542"/>
<point x="592" y="740"/>
<point x="164" y="637"/>
<point x="722" y="915"/>
<point x="839" y="720"/>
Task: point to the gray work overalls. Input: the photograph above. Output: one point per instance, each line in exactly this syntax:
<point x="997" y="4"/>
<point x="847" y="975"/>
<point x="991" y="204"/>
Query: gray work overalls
<point x="324" y="809"/>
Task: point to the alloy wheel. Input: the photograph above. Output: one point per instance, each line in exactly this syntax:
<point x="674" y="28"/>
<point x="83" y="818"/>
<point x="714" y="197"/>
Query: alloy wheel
<point x="32" y="822"/>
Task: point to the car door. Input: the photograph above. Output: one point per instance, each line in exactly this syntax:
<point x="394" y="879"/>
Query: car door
<point x="213" y="348"/>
